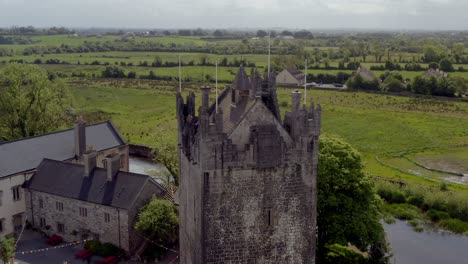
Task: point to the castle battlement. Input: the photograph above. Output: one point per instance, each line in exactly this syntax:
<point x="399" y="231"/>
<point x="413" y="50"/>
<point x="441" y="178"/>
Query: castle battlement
<point x="247" y="179"/>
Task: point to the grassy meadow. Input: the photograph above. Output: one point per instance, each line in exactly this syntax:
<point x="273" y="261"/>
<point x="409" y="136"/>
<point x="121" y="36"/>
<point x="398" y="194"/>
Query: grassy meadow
<point x="374" y="124"/>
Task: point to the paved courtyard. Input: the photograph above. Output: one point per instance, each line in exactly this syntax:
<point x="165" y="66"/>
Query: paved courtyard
<point x="34" y="241"/>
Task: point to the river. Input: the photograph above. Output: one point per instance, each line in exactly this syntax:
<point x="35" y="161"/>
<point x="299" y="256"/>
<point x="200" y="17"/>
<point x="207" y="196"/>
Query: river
<point x="428" y="247"/>
<point x="143" y="166"/>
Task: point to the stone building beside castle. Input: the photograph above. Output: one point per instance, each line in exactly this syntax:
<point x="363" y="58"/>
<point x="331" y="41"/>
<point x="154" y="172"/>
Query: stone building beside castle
<point x="248" y="179"/>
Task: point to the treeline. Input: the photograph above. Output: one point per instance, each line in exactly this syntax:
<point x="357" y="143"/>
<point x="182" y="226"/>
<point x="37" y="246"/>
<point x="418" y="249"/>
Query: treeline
<point x="158" y="62"/>
<point x="131" y="45"/>
<point x="30" y="30"/>
<point x="392" y="81"/>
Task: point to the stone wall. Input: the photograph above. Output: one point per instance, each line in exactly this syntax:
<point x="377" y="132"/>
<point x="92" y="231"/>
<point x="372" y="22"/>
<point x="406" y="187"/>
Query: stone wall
<point x="258" y="216"/>
<point x="116" y="231"/>
<point x="141" y="151"/>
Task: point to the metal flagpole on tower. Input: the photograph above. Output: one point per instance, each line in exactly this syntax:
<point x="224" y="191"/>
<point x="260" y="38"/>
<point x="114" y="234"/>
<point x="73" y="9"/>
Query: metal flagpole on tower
<point x="216" y="86"/>
<point x="180" y="75"/>
<point x="269" y="46"/>
<point x="305" y="83"/>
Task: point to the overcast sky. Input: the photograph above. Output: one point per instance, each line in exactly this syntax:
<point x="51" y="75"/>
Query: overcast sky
<point x="309" y="14"/>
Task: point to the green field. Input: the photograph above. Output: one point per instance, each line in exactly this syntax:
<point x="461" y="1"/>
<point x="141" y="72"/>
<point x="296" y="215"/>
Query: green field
<point x="373" y="124"/>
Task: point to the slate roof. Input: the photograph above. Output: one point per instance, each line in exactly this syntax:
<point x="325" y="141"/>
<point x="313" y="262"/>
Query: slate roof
<point x="67" y="179"/>
<point x="232" y="115"/>
<point x="296" y="73"/>
<point x="241" y="82"/>
<point x="431" y="72"/>
<point x="26" y="154"/>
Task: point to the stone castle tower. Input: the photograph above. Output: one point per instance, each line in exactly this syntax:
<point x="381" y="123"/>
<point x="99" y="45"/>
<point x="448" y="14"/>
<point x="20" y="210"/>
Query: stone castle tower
<point x="248" y="182"/>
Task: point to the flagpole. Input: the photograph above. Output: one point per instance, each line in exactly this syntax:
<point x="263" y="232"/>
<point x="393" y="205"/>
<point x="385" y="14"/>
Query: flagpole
<point x="216" y="86"/>
<point x="180" y="75"/>
<point x="305" y="83"/>
<point x="269" y="47"/>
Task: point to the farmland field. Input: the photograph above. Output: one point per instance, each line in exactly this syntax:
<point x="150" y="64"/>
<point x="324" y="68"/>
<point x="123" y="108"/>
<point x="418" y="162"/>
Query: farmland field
<point x="373" y="124"/>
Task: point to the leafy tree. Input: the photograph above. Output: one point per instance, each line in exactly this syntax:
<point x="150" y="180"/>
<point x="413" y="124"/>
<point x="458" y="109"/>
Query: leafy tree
<point x="347" y="203"/>
<point x="132" y="75"/>
<point x="30" y="103"/>
<point x="419" y="86"/>
<point x="339" y="254"/>
<point x="286" y="33"/>
<point x="393" y="84"/>
<point x="218" y="33"/>
<point x="166" y="153"/>
<point x="446" y="65"/>
<point x="158" y="220"/>
<point x="431" y="53"/>
<point x="303" y="34"/>
<point x="113" y="72"/>
<point x="199" y="32"/>
<point x="445" y="87"/>
<point x="7" y="249"/>
<point x="262" y="33"/>
<point x="458" y="50"/>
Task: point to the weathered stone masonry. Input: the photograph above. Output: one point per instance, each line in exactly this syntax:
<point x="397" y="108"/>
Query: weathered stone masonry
<point x="248" y="182"/>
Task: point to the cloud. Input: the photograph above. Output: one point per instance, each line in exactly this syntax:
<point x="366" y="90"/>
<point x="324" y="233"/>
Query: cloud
<point x="404" y="14"/>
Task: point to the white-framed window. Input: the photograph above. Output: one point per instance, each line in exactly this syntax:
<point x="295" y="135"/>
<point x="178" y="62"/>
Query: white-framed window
<point x="106" y="217"/>
<point x="59" y="206"/>
<point x="16" y="193"/>
<point x="83" y="212"/>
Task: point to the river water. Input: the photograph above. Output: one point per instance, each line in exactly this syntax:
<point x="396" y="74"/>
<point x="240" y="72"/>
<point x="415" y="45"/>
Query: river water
<point x="428" y="247"/>
<point x="143" y="166"/>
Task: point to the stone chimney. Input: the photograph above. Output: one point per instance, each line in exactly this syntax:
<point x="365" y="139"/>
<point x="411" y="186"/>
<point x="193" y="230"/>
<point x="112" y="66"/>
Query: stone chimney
<point x="89" y="161"/>
<point x="205" y="91"/>
<point x="113" y="166"/>
<point x="296" y="101"/>
<point x="80" y="137"/>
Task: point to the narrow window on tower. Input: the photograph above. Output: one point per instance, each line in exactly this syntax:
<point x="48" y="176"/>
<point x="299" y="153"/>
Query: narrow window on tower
<point x="269" y="218"/>
<point x="206" y="179"/>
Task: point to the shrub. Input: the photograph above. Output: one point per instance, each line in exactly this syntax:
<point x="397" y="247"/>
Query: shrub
<point x="436" y="216"/>
<point x="93" y="245"/>
<point x="416" y="200"/>
<point x="109" y="249"/>
<point x="454" y="225"/>
<point x="284" y="104"/>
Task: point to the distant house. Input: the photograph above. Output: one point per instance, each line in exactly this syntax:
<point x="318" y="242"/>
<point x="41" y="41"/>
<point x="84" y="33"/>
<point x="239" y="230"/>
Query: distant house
<point x="284" y="37"/>
<point x="434" y="72"/>
<point x="19" y="159"/>
<point x="290" y="76"/>
<point x="366" y="74"/>
<point x="82" y="201"/>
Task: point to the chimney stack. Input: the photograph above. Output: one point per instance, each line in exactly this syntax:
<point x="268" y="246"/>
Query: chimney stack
<point x="113" y="166"/>
<point x="205" y="91"/>
<point x="296" y="101"/>
<point x="89" y="160"/>
<point x="80" y="137"/>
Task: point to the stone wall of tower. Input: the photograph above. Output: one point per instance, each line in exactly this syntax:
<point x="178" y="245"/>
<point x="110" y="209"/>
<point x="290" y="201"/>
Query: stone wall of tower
<point x="258" y="216"/>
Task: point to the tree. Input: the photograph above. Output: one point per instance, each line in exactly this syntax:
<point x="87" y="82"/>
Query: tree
<point x="30" y="103"/>
<point x="347" y="203"/>
<point x="262" y="33"/>
<point x="458" y="50"/>
<point x="7" y="249"/>
<point x="419" y="86"/>
<point x="218" y="33"/>
<point x="113" y="72"/>
<point x="446" y="65"/>
<point x="303" y="34"/>
<point x="166" y="153"/>
<point x="159" y="221"/>
<point x="431" y="53"/>
<point x="393" y="84"/>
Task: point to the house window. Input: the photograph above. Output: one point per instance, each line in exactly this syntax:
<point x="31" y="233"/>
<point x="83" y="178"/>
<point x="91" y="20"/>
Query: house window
<point x="42" y="222"/>
<point x="104" y="163"/>
<point x="106" y="217"/>
<point x="16" y="193"/>
<point x="60" y="228"/>
<point x="41" y="203"/>
<point x="59" y="206"/>
<point x="2" y="221"/>
<point x="83" y="212"/>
